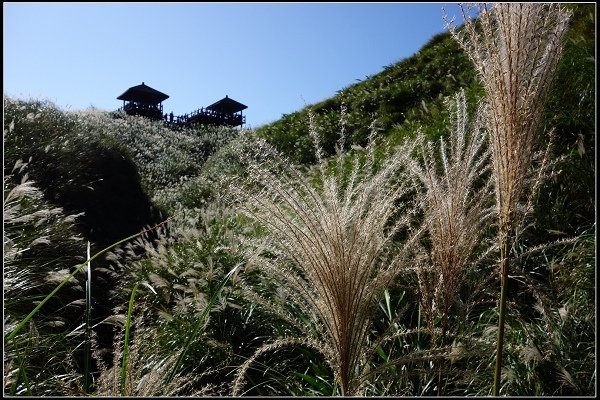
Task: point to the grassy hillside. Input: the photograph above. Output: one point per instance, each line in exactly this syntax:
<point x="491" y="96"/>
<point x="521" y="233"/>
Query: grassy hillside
<point x="250" y="254"/>
<point x="409" y="95"/>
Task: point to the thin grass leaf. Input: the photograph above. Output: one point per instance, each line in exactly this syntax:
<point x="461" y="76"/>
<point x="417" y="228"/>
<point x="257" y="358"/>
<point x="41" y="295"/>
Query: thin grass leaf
<point x="319" y="387"/>
<point x="126" y="344"/>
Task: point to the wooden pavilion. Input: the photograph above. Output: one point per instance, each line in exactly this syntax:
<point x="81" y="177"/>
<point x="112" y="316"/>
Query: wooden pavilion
<point x="223" y="112"/>
<point x="143" y="100"/>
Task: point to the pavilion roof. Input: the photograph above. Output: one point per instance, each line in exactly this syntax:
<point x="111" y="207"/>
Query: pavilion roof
<point x="143" y="94"/>
<point x="227" y="105"/>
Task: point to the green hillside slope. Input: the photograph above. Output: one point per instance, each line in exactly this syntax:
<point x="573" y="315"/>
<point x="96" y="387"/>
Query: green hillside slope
<point x="409" y="94"/>
<point x="209" y="205"/>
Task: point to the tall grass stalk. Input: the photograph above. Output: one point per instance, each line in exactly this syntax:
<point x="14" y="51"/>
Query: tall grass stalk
<point x="88" y="318"/>
<point x="124" y="363"/>
<point x="332" y="241"/>
<point x="515" y="48"/>
<point x="456" y="207"/>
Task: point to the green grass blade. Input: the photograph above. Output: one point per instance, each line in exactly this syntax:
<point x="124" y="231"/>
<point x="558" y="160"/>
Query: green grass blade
<point x="21" y="373"/>
<point x="126" y="344"/>
<point x="318" y="387"/>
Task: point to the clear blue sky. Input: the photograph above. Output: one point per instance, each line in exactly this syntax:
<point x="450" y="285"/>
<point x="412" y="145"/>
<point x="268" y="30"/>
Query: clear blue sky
<point x="274" y="57"/>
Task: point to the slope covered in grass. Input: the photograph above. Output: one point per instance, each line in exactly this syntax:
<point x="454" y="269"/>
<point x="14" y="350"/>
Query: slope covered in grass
<point x="203" y="308"/>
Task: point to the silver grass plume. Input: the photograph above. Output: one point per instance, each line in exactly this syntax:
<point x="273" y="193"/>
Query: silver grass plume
<point x="515" y="48"/>
<point x="330" y="240"/>
<point x="457" y="204"/>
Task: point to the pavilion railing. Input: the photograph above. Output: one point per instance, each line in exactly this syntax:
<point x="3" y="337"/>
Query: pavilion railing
<point x="205" y="116"/>
<point x="202" y="116"/>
